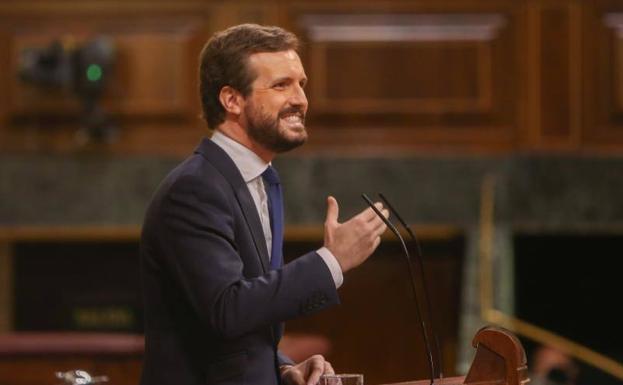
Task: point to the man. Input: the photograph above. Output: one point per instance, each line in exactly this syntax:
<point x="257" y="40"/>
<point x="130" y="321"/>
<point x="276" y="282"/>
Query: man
<point x="215" y="289"/>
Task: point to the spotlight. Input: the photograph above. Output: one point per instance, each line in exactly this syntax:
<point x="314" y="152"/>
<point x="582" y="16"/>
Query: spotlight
<point x="84" y="70"/>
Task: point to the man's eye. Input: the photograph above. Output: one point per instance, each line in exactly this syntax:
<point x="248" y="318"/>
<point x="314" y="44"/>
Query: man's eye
<point x="281" y="85"/>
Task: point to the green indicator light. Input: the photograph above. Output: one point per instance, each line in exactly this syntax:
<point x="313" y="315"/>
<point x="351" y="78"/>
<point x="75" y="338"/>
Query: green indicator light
<point x="94" y="72"/>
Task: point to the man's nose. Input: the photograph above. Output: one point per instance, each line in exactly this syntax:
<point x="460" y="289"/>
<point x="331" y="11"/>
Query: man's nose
<point x="298" y="97"/>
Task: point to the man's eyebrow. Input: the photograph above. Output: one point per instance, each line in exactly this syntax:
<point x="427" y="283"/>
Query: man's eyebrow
<point x="286" y="79"/>
<point x="281" y="79"/>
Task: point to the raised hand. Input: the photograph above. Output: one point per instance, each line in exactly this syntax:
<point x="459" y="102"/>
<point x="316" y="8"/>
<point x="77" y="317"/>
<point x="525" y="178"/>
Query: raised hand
<point x="353" y="241"/>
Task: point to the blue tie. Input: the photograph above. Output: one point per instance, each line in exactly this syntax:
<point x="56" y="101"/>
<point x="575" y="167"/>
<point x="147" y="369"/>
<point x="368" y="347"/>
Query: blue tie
<point x="275" y="209"/>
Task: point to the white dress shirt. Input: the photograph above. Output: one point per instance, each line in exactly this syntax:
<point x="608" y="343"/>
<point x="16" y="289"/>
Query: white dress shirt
<point x="251" y="168"/>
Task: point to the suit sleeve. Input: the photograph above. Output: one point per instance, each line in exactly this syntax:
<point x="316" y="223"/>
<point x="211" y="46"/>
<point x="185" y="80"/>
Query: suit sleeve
<point x="201" y="253"/>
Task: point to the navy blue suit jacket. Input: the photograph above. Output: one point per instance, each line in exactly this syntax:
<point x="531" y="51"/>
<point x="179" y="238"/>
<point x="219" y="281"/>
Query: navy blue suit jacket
<point x="213" y="308"/>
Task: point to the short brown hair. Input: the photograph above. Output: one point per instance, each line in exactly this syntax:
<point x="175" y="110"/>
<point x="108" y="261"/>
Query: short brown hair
<point x="224" y="58"/>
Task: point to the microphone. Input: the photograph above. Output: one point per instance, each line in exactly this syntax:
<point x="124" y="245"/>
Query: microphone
<point x="419" y="259"/>
<point x="390" y="225"/>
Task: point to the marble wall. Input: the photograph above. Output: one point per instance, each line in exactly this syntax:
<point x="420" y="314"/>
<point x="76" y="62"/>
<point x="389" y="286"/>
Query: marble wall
<point x="549" y="193"/>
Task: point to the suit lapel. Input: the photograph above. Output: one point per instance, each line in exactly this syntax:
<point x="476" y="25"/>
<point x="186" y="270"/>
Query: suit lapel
<point x="219" y="158"/>
<point x="253" y="220"/>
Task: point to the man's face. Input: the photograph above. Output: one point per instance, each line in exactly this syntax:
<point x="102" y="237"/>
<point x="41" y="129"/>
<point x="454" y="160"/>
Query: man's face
<point x="274" y="111"/>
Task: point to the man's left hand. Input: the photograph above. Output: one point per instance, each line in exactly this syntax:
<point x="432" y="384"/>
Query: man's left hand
<point x="307" y="372"/>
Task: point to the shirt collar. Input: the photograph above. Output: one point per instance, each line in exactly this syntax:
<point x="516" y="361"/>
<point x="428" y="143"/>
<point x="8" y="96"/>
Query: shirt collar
<point x="250" y="165"/>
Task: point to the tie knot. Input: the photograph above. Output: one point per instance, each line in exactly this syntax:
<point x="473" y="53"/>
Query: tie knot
<point x="270" y="175"/>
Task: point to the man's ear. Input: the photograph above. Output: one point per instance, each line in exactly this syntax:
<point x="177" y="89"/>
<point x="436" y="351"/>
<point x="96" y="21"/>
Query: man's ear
<point x="231" y="100"/>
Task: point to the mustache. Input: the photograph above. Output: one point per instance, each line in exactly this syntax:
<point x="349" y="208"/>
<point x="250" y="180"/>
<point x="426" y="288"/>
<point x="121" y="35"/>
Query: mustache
<point x="292" y="110"/>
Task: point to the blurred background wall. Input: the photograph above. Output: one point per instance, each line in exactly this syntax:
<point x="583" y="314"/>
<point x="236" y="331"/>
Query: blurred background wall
<point x="418" y="99"/>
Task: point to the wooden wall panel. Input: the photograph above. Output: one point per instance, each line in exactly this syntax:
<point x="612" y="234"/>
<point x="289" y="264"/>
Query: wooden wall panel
<point x="555" y="73"/>
<point x="436" y="65"/>
<point x="417" y="77"/>
<point x="554" y="60"/>
<point x="603" y="104"/>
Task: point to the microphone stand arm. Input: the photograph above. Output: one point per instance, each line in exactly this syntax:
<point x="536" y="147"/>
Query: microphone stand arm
<point x="431" y="362"/>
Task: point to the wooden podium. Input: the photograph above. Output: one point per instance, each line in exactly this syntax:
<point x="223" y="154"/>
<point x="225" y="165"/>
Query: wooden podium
<point x="500" y="360"/>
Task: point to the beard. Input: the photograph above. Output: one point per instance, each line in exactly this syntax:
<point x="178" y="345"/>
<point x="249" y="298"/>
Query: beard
<point x="267" y="131"/>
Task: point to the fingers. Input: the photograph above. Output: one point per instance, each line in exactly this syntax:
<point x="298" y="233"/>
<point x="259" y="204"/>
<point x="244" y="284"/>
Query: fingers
<point x="295" y="377"/>
<point x="333" y="210"/>
<point x="307" y="372"/>
<point x="376" y="243"/>
<point x="315" y="369"/>
<point x="385" y="213"/>
<point x="380" y="228"/>
<point x="328" y="369"/>
<point x="376" y="221"/>
<point x="369" y="214"/>
<point x="370" y="222"/>
<point x="366" y="215"/>
<point x="376" y="225"/>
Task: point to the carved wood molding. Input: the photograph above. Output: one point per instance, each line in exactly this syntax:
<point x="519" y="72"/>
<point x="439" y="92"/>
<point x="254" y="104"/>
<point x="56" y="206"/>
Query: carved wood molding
<point x="123" y="233"/>
<point x="402" y="27"/>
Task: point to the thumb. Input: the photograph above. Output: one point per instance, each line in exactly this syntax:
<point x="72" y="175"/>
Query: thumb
<point x="333" y="210"/>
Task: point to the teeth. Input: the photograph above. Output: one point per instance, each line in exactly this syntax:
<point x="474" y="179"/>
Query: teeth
<point x="293" y="119"/>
